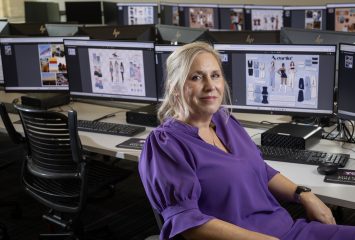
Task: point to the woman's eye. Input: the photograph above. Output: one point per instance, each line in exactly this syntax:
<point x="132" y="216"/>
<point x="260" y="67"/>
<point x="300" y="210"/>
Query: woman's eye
<point x="196" y="77"/>
<point x="215" y="76"/>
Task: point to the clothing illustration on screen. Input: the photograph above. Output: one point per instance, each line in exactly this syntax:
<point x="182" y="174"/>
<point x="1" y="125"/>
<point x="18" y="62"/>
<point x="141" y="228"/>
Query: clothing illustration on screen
<point x="272" y="75"/>
<point x="236" y="19"/>
<point x="263" y="19"/>
<point x="111" y="71"/>
<point x="313" y="19"/>
<point x="140" y="15"/>
<point x="122" y="71"/>
<point x="291" y="74"/>
<point x="201" y="17"/>
<point x="282" y="72"/>
<point x="282" y="87"/>
<point x="111" y="66"/>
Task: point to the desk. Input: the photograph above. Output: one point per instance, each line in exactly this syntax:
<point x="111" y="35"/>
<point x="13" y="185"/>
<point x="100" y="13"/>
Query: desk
<point x="337" y="194"/>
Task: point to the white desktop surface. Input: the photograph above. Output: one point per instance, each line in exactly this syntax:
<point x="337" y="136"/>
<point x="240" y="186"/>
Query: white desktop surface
<point x="338" y="194"/>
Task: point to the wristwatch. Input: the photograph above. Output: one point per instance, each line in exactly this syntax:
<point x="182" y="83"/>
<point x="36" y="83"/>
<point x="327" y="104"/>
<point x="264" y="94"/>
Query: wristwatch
<point x="299" y="190"/>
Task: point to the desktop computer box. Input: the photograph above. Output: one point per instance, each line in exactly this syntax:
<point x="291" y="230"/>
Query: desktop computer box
<point x="45" y="100"/>
<point x="146" y="116"/>
<point x="289" y="135"/>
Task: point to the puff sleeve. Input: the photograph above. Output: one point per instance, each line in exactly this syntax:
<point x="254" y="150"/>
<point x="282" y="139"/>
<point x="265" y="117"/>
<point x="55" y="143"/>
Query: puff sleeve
<point x="167" y="171"/>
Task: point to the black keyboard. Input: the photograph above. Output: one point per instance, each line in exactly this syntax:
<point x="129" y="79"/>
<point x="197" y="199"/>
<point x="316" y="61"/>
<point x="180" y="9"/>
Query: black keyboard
<point x="302" y="156"/>
<point x="109" y="128"/>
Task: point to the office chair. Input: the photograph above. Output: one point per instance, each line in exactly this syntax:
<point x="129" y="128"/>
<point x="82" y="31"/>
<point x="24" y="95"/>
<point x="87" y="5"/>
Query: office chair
<point x="11" y="150"/>
<point x="58" y="173"/>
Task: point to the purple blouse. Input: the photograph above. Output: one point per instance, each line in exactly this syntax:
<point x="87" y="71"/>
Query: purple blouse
<point x="190" y="182"/>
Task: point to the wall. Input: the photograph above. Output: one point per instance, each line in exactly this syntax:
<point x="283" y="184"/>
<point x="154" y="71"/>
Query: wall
<point x="14" y="9"/>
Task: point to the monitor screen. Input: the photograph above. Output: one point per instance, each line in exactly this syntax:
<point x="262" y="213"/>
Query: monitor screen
<point x="199" y="15"/>
<point x="28" y="29"/>
<point x="263" y="17"/>
<point x="286" y="79"/>
<point x="114" y="32"/>
<point x="169" y="34"/>
<point x="137" y="13"/>
<point x="346" y="83"/>
<point x="84" y="12"/>
<point x="341" y="17"/>
<point x="62" y="29"/>
<point x="42" y="12"/>
<point x="110" y="13"/>
<point x="114" y="70"/>
<point x="34" y="64"/>
<point x="169" y="14"/>
<point x="306" y="17"/>
<point x="162" y="52"/>
<point x="232" y="17"/>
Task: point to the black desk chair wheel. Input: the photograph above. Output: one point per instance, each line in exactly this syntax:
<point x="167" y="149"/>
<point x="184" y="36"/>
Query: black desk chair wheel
<point x="59" y="174"/>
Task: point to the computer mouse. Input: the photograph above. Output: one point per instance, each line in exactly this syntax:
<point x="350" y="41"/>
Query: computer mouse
<point x="327" y="168"/>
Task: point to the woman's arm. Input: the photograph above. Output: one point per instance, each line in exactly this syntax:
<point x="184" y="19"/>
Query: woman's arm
<point x="216" y="229"/>
<point x="284" y="189"/>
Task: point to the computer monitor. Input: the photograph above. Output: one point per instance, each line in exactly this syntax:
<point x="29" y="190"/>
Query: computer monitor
<point x="169" y="34"/>
<point x="306" y="17"/>
<point x="286" y="79"/>
<point x="28" y="29"/>
<point x="114" y="32"/>
<point x="231" y="17"/>
<point x="263" y="17"/>
<point x="85" y="12"/>
<point x="111" y="70"/>
<point x="162" y="52"/>
<point x="244" y="37"/>
<point x="34" y="64"/>
<point x="137" y="13"/>
<point x="346" y="83"/>
<point x="199" y="15"/>
<point x="169" y="14"/>
<point x="341" y="17"/>
<point x="41" y="12"/>
<point x="110" y="11"/>
<point x="62" y="29"/>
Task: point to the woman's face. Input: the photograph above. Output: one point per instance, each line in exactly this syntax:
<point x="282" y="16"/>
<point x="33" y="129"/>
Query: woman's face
<point x="204" y="86"/>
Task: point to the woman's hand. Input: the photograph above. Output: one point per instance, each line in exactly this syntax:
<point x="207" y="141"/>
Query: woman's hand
<point x="316" y="209"/>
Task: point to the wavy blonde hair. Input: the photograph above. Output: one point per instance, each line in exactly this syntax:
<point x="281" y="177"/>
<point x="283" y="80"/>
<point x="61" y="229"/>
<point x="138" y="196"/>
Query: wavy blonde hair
<point x="178" y="66"/>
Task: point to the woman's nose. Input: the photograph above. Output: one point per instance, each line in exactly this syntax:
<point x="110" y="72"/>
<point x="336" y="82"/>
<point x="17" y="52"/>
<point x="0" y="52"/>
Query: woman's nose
<point x="209" y="84"/>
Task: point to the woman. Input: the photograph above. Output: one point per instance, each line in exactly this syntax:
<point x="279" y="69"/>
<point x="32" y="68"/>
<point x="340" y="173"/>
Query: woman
<point x="205" y="176"/>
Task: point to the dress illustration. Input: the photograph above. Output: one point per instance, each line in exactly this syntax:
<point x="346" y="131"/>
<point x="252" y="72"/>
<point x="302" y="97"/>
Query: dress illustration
<point x="272" y="75"/>
<point x="282" y="72"/>
<point x="292" y="74"/>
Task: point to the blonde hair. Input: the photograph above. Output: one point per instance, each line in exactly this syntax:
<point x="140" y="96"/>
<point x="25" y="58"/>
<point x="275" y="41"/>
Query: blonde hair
<point x="178" y="66"/>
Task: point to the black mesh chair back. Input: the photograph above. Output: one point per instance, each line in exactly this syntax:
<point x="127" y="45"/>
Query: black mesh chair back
<point x="49" y="141"/>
